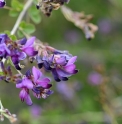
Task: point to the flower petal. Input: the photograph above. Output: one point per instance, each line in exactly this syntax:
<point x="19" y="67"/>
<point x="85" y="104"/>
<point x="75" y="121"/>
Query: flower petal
<point x="36" y="73"/>
<point x="63" y="73"/>
<point x="19" y="84"/>
<point x="22" y="41"/>
<point x="70" y="68"/>
<point x="72" y="60"/>
<point x="44" y="83"/>
<point x="61" y="60"/>
<point x="47" y="65"/>
<point x="30" y="51"/>
<point x="22" y="94"/>
<point x="15" y="60"/>
<point x="27" y="83"/>
<point x="29" y="42"/>
<point x="55" y="75"/>
<point x="28" y="100"/>
<point x="22" y="56"/>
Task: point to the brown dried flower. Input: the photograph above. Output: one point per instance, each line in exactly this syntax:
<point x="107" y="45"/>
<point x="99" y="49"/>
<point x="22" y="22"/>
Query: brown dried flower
<point x="80" y="20"/>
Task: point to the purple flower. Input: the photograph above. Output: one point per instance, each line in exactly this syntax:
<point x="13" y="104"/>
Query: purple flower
<point x="25" y="85"/>
<point x="2" y="3"/>
<point x="4" y="38"/>
<point x="41" y="87"/>
<point x="34" y="81"/>
<point x="16" y="56"/>
<point x="22" y="41"/>
<point x="4" y="51"/>
<point x="64" y="67"/>
<point x="28" y="48"/>
<point x="60" y="63"/>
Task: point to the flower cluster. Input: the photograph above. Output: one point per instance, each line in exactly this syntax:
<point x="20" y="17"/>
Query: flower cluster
<point x="59" y="63"/>
<point x="33" y="80"/>
<point x="17" y="51"/>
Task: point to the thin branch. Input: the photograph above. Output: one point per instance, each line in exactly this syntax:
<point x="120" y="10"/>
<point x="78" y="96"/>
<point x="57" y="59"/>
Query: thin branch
<point x="27" y="5"/>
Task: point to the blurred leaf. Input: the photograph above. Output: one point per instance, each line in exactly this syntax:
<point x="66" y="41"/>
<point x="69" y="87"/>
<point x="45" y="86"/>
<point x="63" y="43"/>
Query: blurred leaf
<point x="17" y="5"/>
<point x="27" y="27"/>
<point x="34" y="15"/>
<point x="20" y="34"/>
<point x="13" y="37"/>
<point x="13" y="13"/>
<point x="1" y="73"/>
<point x="7" y="32"/>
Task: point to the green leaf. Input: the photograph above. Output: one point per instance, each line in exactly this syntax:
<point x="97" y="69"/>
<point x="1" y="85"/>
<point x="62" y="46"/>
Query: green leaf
<point x="17" y="5"/>
<point x="13" y="13"/>
<point x="13" y="37"/>
<point x="27" y="27"/>
<point x="35" y="18"/>
<point x="7" y="32"/>
<point x="1" y="73"/>
<point x="20" y="34"/>
<point x="34" y="15"/>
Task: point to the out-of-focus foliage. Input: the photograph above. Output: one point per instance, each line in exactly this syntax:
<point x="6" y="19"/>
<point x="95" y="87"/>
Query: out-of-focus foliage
<point x="94" y="95"/>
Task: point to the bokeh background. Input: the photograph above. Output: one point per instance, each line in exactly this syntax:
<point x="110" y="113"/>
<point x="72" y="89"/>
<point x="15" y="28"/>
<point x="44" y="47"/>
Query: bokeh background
<point x="94" y="95"/>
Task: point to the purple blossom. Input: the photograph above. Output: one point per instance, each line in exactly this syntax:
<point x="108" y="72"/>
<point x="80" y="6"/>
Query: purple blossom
<point x="33" y="81"/>
<point x="64" y="67"/>
<point x="60" y="63"/>
<point x="41" y="87"/>
<point x="4" y="51"/>
<point x="28" y="48"/>
<point x="4" y="38"/>
<point x="16" y="56"/>
<point x="25" y="85"/>
<point x="2" y="3"/>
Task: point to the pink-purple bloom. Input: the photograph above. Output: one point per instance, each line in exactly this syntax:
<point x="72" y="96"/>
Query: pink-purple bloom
<point x="25" y="86"/>
<point x="16" y="56"/>
<point x="28" y="48"/>
<point x="64" y="67"/>
<point x="33" y="81"/>
<point x="60" y="63"/>
<point x="4" y="51"/>
<point x="41" y="86"/>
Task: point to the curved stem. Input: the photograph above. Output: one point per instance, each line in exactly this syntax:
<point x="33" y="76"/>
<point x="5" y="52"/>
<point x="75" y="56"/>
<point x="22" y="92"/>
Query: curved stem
<point x="20" y="17"/>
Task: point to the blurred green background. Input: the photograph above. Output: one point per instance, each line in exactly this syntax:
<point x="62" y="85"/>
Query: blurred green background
<point x="94" y="95"/>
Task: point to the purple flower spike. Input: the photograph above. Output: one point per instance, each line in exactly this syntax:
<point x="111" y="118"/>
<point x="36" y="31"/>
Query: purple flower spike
<point x="2" y="3"/>
<point x="28" y="48"/>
